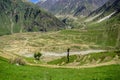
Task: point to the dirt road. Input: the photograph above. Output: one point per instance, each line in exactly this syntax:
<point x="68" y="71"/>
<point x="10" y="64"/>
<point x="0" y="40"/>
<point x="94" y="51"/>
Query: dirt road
<point x="71" y="53"/>
<point x="49" y="54"/>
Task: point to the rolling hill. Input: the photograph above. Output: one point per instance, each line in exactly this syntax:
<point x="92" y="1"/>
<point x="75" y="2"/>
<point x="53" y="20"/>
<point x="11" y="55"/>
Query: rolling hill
<point x="23" y="16"/>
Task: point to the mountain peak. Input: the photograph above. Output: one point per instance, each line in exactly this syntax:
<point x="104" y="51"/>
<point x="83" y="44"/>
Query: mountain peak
<point x="43" y="0"/>
<point x="74" y="7"/>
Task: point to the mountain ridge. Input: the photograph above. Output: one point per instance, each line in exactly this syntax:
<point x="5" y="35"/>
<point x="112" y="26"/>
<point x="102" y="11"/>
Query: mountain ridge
<point x="26" y="17"/>
<point x="76" y="8"/>
<point x="110" y="6"/>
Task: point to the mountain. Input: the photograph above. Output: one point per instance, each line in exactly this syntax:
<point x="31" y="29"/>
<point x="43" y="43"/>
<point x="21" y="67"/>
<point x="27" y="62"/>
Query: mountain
<point x="23" y="16"/>
<point x="111" y="8"/>
<point x="47" y="4"/>
<point x="107" y="18"/>
<point x="74" y="7"/>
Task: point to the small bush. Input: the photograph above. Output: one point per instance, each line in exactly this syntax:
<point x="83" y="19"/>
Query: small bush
<point x="117" y="51"/>
<point x="37" y="55"/>
<point x="17" y="60"/>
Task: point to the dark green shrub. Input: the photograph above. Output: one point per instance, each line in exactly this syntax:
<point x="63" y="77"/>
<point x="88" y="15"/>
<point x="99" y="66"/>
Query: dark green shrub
<point x="37" y="55"/>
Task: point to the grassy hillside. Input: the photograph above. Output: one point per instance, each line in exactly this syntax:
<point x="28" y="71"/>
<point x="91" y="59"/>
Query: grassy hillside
<point x="106" y="9"/>
<point x="111" y="29"/>
<point x="18" y="16"/>
<point x="89" y="59"/>
<point x="14" y="72"/>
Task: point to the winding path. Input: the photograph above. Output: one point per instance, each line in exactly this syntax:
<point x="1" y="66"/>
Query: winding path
<point x="71" y="53"/>
<point x="76" y="67"/>
<point x="49" y="54"/>
<point x="71" y="67"/>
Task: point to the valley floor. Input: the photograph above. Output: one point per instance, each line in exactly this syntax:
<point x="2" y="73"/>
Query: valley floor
<point x="53" y="45"/>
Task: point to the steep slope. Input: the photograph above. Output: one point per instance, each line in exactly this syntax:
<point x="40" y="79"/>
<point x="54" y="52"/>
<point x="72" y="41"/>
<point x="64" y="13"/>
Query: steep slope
<point x="107" y="18"/>
<point x="22" y="16"/>
<point x="112" y="7"/>
<point x="74" y="7"/>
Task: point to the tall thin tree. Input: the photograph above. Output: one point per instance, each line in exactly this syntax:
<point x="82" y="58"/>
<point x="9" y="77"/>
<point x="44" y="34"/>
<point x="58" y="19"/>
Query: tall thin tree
<point x="68" y="52"/>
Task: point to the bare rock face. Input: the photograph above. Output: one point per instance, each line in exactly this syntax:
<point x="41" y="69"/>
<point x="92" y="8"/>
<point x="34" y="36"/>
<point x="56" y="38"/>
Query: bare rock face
<point x="74" y="7"/>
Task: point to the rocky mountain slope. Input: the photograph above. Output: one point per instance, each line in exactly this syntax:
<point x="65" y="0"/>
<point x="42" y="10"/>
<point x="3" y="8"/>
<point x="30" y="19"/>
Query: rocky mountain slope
<point x="111" y="8"/>
<point x="23" y="16"/>
<point x="74" y="7"/>
<point x="107" y="17"/>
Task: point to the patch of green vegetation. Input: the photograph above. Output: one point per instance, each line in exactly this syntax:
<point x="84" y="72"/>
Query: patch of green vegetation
<point x="110" y="31"/>
<point x="88" y="59"/>
<point x="97" y="58"/>
<point x="84" y="35"/>
<point x="14" y="72"/>
<point x="63" y="60"/>
<point x="3" y="59"/>
<point x="32" y="60"/>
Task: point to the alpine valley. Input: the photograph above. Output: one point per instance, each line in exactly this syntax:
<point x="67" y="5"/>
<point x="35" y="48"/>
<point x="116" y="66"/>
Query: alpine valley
<point x="60" y="40"/>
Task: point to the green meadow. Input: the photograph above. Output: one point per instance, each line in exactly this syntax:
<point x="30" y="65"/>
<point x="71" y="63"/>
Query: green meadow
<point x="13" y="72"/>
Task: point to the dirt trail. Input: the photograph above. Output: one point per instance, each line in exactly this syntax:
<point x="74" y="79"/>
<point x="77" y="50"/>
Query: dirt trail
<point x="53" y="54"/>
<point x="72" y="67"/>
<point x="77" y="67"/>
<point x="71" y="53"/>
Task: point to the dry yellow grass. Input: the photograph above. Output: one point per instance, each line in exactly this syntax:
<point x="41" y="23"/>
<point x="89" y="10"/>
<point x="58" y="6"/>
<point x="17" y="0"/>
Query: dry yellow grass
<point x="52" y="41"/>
